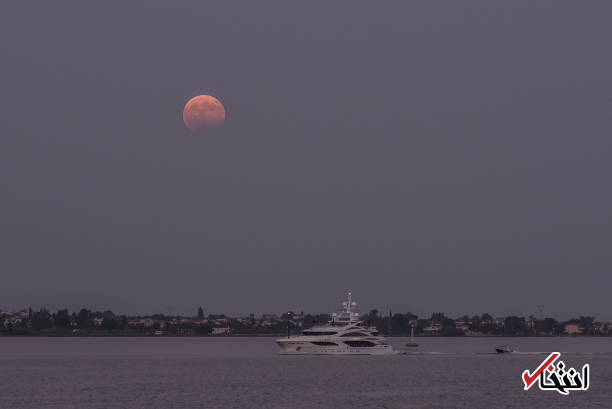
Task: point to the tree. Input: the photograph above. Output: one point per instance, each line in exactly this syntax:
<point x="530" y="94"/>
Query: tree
<point x="546" y="325"/>
<point x="475" y="325"/>
<point x="437" y="317"/>
<point x="400" y="323"/>
<point x="109" y="320"/>
<point x="204" y="329"/>
<point x="84" y="319"/>
<point x="559" y="328"/>
<point x="486" y="317"/>
<point x="41" y="320"/>
<point x="109" y="323"/>
<point x="587" y="324"/>
<point x="200" y="313"/>
<point x="5" y="323"/>
<point x="62" y="319"/>
<point x="514" y="325"/>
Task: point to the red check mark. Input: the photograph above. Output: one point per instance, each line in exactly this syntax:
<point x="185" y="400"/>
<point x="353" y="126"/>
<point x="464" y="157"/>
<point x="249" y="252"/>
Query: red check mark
<point x="529" y="379"/>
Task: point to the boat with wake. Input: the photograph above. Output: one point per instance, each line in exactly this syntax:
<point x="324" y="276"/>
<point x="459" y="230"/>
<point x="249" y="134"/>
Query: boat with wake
<point x="344" y="334"/>
<point x="504" y="349"/>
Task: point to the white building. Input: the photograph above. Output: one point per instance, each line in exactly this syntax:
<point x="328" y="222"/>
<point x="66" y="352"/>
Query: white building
<point x="221" y="331"/>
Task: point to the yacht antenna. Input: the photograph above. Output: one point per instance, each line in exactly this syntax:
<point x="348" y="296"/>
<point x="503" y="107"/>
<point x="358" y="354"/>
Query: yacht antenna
<point x="348" y="303"/>
<point x="288" y="314"/>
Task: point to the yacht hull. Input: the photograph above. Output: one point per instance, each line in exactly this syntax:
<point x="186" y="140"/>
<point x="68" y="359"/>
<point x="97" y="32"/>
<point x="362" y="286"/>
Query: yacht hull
<point x="295" y="347"/>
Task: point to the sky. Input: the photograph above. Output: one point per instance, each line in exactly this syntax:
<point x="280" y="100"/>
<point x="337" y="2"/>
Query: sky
<point x="427" y="156"/>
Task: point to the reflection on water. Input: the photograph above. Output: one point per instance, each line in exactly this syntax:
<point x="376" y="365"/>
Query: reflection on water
<point x="86" y="373"/>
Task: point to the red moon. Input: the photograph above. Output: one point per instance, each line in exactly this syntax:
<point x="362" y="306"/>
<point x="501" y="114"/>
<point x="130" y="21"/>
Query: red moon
<point x="203" y="112"/>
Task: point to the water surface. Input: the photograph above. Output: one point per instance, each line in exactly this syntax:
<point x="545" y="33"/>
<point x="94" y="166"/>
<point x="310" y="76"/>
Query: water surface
<point x="110" y="373"/>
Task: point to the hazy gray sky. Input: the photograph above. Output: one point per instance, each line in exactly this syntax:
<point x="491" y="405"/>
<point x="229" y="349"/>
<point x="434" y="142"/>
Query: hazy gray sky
<point x="429" y="156"/>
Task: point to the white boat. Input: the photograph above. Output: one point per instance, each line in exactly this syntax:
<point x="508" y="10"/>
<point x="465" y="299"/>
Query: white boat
<point x="345" y="334"/>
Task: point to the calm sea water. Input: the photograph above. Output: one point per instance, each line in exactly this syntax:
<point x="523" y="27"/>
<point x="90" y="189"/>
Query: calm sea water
<point x="109" y="373"/>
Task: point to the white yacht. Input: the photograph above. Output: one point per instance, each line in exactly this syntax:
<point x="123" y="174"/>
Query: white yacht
<point x="345" y="334"/>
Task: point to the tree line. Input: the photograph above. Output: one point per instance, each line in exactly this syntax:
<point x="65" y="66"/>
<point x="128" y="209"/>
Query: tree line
<point x="87" y="321"/>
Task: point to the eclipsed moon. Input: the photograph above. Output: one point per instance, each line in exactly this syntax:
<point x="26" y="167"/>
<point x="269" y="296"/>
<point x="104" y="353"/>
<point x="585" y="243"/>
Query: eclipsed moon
<point x="203" y="112"/>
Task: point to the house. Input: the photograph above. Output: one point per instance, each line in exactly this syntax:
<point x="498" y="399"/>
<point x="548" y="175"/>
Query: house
<point x="432" y="329"/>
<point x="146" y="322"/>
<point x="604" y="327"/>
<point x="573" y="329"/>
<point x="220" y="331"/>
<point x="463" y="327"/>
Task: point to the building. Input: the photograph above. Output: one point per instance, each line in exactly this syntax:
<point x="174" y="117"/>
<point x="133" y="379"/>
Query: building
<point x="433" y="329"/>
<point x="463" y="327"/>
<point x="221" y="331"/>
<point x="573" y="329"/>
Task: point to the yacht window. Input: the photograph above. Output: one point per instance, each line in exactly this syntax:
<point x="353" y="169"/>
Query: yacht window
<point x="324" y="343"/>
<point x="319" y="333"/>
<point x="359" y="343"/>
<point x="354" y="334"/>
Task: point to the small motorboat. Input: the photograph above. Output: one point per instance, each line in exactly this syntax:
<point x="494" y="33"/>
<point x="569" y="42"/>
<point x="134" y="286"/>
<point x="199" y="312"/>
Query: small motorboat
<point x="412" y="343"/>
<point x="503" y="349"/>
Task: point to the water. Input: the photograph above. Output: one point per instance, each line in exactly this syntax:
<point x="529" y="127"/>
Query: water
<point x="109" y="373"/>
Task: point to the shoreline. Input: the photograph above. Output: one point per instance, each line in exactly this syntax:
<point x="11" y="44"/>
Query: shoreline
<point x="280" y="335"/>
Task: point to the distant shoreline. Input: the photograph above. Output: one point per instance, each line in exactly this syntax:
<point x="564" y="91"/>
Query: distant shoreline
<point x="276" y="335"/>
<point x="86" y="323"/>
